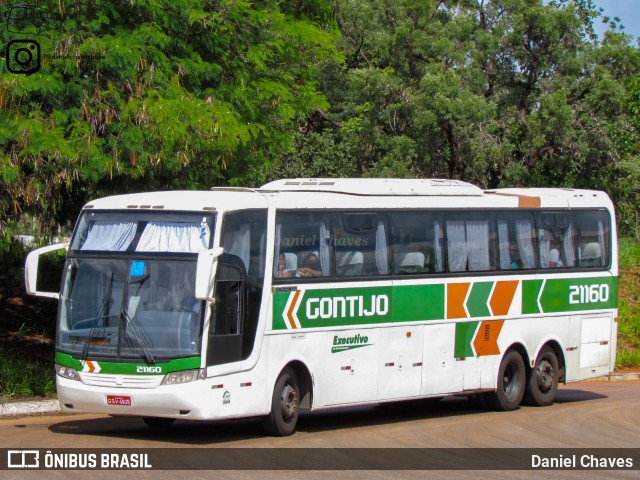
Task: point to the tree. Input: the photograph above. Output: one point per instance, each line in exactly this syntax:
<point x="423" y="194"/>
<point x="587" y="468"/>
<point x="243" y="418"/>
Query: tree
<point x="628" y="140"/>
<point x="154" y="94"/>
<point x="506" y="92"/>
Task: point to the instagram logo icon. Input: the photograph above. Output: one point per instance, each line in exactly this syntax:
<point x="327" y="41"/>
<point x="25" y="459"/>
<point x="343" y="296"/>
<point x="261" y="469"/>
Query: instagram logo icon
<point x="23" y="56"/>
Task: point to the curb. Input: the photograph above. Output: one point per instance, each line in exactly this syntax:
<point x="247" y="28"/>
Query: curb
<point x="617" y="377"/>
<point x="53" y="406"/>
<point x="29" y="407"/>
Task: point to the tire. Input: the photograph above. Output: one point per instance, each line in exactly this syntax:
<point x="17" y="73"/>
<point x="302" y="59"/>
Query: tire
<point x="511" y="383"/>
<point x="542" y="385"/>
<point x="285" y="405"/>
<point x="158" y="422"/>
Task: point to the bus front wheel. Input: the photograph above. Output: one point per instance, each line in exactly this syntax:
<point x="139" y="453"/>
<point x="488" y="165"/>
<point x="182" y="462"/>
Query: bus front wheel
<point x="543" y="381"/>
<point x="285" y="405"/>
<point x="511" y="383"/>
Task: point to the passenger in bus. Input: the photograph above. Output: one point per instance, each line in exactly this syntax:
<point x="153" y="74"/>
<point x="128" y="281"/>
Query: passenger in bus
<point x="554" y="259"/>
<point x="282" y="267"/>
<point x="514" y="253"/>
<point x="311" y="266"/>
<point x="287" y="265"/>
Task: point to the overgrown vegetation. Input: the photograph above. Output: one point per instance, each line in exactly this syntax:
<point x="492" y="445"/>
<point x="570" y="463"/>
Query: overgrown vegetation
<point x="27" y="330"/>
<point x="629" y="306"/>
<point x="22" y="378"/>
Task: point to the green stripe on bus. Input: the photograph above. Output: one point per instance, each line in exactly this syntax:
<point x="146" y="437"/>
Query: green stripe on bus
<point x="575" y="294"/>
<point x="311" y="308"/>
<point x="121" y="368"/>
<point x="349" y="306"/>
<point x="477" y="303"/>
<point x="413" y="303"/>
<point x="530" y="293"/>
<point x="279" y="303"/>
<point x="465" y="332"/>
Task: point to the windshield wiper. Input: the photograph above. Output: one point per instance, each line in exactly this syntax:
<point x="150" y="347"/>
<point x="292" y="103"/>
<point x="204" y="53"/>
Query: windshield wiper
<point x="103" y="317"/>
<point x="132" y="326"/>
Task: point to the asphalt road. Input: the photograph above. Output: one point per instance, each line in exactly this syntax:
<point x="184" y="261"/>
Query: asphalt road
<point x="586" y="415"/>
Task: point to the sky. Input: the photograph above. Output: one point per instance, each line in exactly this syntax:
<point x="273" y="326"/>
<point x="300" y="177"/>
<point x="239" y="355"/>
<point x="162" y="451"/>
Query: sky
<point x="627" y="10"/>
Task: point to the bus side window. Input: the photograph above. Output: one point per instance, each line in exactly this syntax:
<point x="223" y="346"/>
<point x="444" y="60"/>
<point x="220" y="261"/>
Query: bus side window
<point x="239" y="286"/>
<point x="468" y="243"/>
<point x="229" y="311"/>
<point x="416" y="243"/>
<point x="349" y="263"/>
<point x="229" y="288"/>
<point x="593" y="233"/>
<point x="360" y="241"/>
<point x="555" y="240"/>
<point x="516" y="239"/>
<point x="302" y="246"/>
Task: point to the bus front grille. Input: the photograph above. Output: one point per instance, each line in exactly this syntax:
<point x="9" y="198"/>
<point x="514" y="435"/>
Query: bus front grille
<point x="121" y="381"/>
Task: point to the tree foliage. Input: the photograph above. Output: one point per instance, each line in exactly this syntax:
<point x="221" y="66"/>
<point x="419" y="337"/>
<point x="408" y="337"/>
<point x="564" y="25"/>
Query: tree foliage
<point x="509" y="92"/>
<point x="151" y="94"/>
<point x="193" y="93"/>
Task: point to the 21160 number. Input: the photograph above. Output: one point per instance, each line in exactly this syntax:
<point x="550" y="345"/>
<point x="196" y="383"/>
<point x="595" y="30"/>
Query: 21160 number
<point x="589" y="293"/>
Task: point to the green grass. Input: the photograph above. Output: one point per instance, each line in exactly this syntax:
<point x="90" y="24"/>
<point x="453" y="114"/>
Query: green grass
<point x="628" y="358"/>
<point x="629" y="253"/>
<point x="26" y="331"/>
<point x="629" y="305"/>
<point x="20" y="378"/>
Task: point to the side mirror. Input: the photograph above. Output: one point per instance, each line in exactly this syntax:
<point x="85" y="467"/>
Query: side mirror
<point x="31" y="270"/>
<point x="204" y="273"/>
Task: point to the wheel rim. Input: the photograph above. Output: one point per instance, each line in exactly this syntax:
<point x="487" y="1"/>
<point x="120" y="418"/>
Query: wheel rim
<point x="546" y="376"/>
<point x="289" y="403"/>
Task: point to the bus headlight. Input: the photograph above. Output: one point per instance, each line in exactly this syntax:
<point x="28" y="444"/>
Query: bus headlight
<point x="67" y="372"/>
<point x="186" y="376"/>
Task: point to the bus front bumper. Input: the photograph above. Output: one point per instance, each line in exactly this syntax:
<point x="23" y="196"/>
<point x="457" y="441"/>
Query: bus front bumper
<point x="195" y="400"/>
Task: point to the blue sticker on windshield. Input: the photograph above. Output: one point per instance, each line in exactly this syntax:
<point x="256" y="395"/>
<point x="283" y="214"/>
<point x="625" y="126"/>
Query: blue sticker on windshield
<point x="137" y="269"/>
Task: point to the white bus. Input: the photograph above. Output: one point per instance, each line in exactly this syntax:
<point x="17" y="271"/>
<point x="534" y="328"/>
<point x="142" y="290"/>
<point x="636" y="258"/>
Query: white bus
<point x="308" y="294"/>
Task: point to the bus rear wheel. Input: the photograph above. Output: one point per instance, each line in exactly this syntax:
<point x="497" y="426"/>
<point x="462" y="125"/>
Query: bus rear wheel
<point x="511" y="384"/>
<point x="543" y="381"/>
<point x="285" y="405"/>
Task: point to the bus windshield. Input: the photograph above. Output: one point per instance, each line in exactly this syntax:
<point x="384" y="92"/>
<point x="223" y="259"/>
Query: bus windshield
<point x="128" y="287"/>
<point x="131" y="308"/>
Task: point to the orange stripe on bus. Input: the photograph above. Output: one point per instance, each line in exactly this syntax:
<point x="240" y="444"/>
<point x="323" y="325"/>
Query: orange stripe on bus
<point x="291" y="309"/>
<point x="486" y="341"/>
<point x="456" y="294"/>
<point x="502" y="297"/>
<point x="524" y="201"/>
<point x="529" y="202"/>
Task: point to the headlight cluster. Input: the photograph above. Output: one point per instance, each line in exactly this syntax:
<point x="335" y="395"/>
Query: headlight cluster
<point x="67" y="372"/>
<point x="175" y="378"/>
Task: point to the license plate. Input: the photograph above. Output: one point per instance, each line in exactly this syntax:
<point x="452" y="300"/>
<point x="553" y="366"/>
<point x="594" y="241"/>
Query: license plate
<point x="119" y="400"/>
